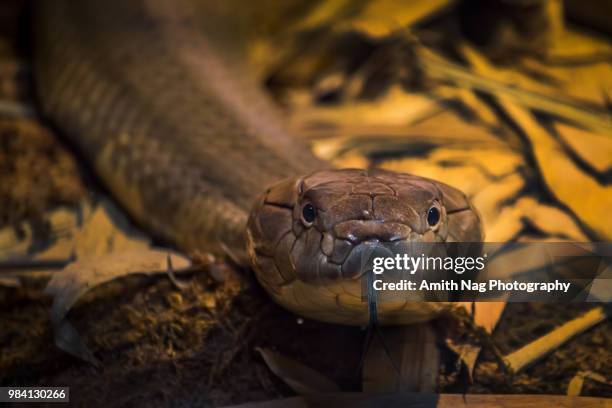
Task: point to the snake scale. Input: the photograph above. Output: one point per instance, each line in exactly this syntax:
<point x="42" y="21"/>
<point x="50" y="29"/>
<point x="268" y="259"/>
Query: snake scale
<point x="156" y="97"/>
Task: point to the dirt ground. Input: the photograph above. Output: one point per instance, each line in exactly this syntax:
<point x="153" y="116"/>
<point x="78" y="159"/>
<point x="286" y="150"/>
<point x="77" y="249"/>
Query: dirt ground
<point x="197" y="347"/>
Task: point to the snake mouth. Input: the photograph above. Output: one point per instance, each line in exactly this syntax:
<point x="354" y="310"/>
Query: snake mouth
<point x="361" y="259"/>
<point x="357" y="231"/>
<point x="371" y="240"/>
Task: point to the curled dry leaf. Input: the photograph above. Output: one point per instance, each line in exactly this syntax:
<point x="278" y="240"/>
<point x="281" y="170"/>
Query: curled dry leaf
<point x="467" y="354"/>
<point x="301" y="379"/>
<point x="76" y="279"/>
<point x="485" y="315"/>
<point x="574" y="388"/>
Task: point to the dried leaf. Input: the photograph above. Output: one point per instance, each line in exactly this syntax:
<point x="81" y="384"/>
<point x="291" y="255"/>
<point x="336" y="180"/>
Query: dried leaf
<point x="584" y="195"/>
<point x="574" y="387"/>
<point x="381" y="17"/>
<point x="467" y="353"/>
<point x="501" y="222"/>
<point x="573" y="45"/>
<point x="594" y="149"/>
<point x="87" y="231"/>
<point x="324" y="13"/>
<point x="467" y="97"/>
<point x="487" y="314"/>
<point x="468" y="179"/>
<point x="502" y="264"/>
<point x="301" y="379"/>
<point x="586" y="82"/>
<point x="79" y="277"/>
<point x="487" y="80"/>
<point x="376" y="18"/>
<point x="396" y="108"/>
<point x="493" y="162"/>
<point x="68" y="339"/>
<point x="550" y="220"/>
<point x="25" y="242"/>
<point x="105" y="231"/>
<point x="600" y="290"/>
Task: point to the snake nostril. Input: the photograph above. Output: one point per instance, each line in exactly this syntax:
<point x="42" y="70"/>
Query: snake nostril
<point x="399" y="237"/>
<point x="356" y="231"/>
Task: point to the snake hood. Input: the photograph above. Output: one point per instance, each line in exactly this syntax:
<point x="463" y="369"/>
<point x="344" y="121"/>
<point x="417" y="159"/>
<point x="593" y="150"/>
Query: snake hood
<point x="160" y="104"/>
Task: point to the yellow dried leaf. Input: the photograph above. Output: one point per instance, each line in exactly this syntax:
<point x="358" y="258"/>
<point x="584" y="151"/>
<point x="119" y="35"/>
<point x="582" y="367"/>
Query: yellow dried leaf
<point x="585" y="196"/>
<point x="595" y="149"/>
<point x="551" y="220"/>
<point x="381" y="17"/>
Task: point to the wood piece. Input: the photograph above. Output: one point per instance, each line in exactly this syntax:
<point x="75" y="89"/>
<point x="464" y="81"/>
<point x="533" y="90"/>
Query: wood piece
<point x="537" y="349"/>
<point x="302" y="379"/>
<point x="412" y="350"/>
<point x="363" y="400"/>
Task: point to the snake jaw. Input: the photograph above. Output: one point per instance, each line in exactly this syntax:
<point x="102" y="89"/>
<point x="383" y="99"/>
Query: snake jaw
<point x="314" y="267"/>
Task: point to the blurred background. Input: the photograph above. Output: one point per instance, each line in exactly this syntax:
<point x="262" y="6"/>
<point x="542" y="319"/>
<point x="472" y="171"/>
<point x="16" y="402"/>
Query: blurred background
<point x="507" y="100"/>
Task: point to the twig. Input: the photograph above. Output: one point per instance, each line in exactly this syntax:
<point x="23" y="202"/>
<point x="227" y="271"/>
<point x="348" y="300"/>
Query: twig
<point x="537" y="349"/>
<point x="574" y="387"/>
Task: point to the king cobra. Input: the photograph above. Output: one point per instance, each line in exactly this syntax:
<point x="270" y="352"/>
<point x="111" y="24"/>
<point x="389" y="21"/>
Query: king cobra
<point x="157" y="97"/>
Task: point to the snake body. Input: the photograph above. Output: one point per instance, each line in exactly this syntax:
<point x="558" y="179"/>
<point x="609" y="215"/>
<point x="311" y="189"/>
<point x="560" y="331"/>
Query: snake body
<point x="156" y="96"/>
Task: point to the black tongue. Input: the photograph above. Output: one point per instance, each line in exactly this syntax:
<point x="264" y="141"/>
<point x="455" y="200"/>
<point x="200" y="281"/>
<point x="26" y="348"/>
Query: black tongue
<point x="362" y="263"/>
<point x="362" y="259"/>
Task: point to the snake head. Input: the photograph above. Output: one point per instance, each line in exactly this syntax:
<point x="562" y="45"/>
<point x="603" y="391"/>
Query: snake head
<point x="307" y="236"/>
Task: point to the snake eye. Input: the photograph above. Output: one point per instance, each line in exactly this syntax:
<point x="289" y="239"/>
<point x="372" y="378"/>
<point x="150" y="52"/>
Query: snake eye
<point x="309" y="212"/>
<point x="433" y="216"/>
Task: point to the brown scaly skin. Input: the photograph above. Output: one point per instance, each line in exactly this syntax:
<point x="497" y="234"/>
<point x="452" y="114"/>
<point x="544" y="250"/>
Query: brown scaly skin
<point x="157" y="97"/>
<point x="314" y="267"/>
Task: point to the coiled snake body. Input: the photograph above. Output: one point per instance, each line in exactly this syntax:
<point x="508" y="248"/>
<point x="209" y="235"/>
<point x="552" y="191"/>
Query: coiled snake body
<point x="154" y="94"/>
